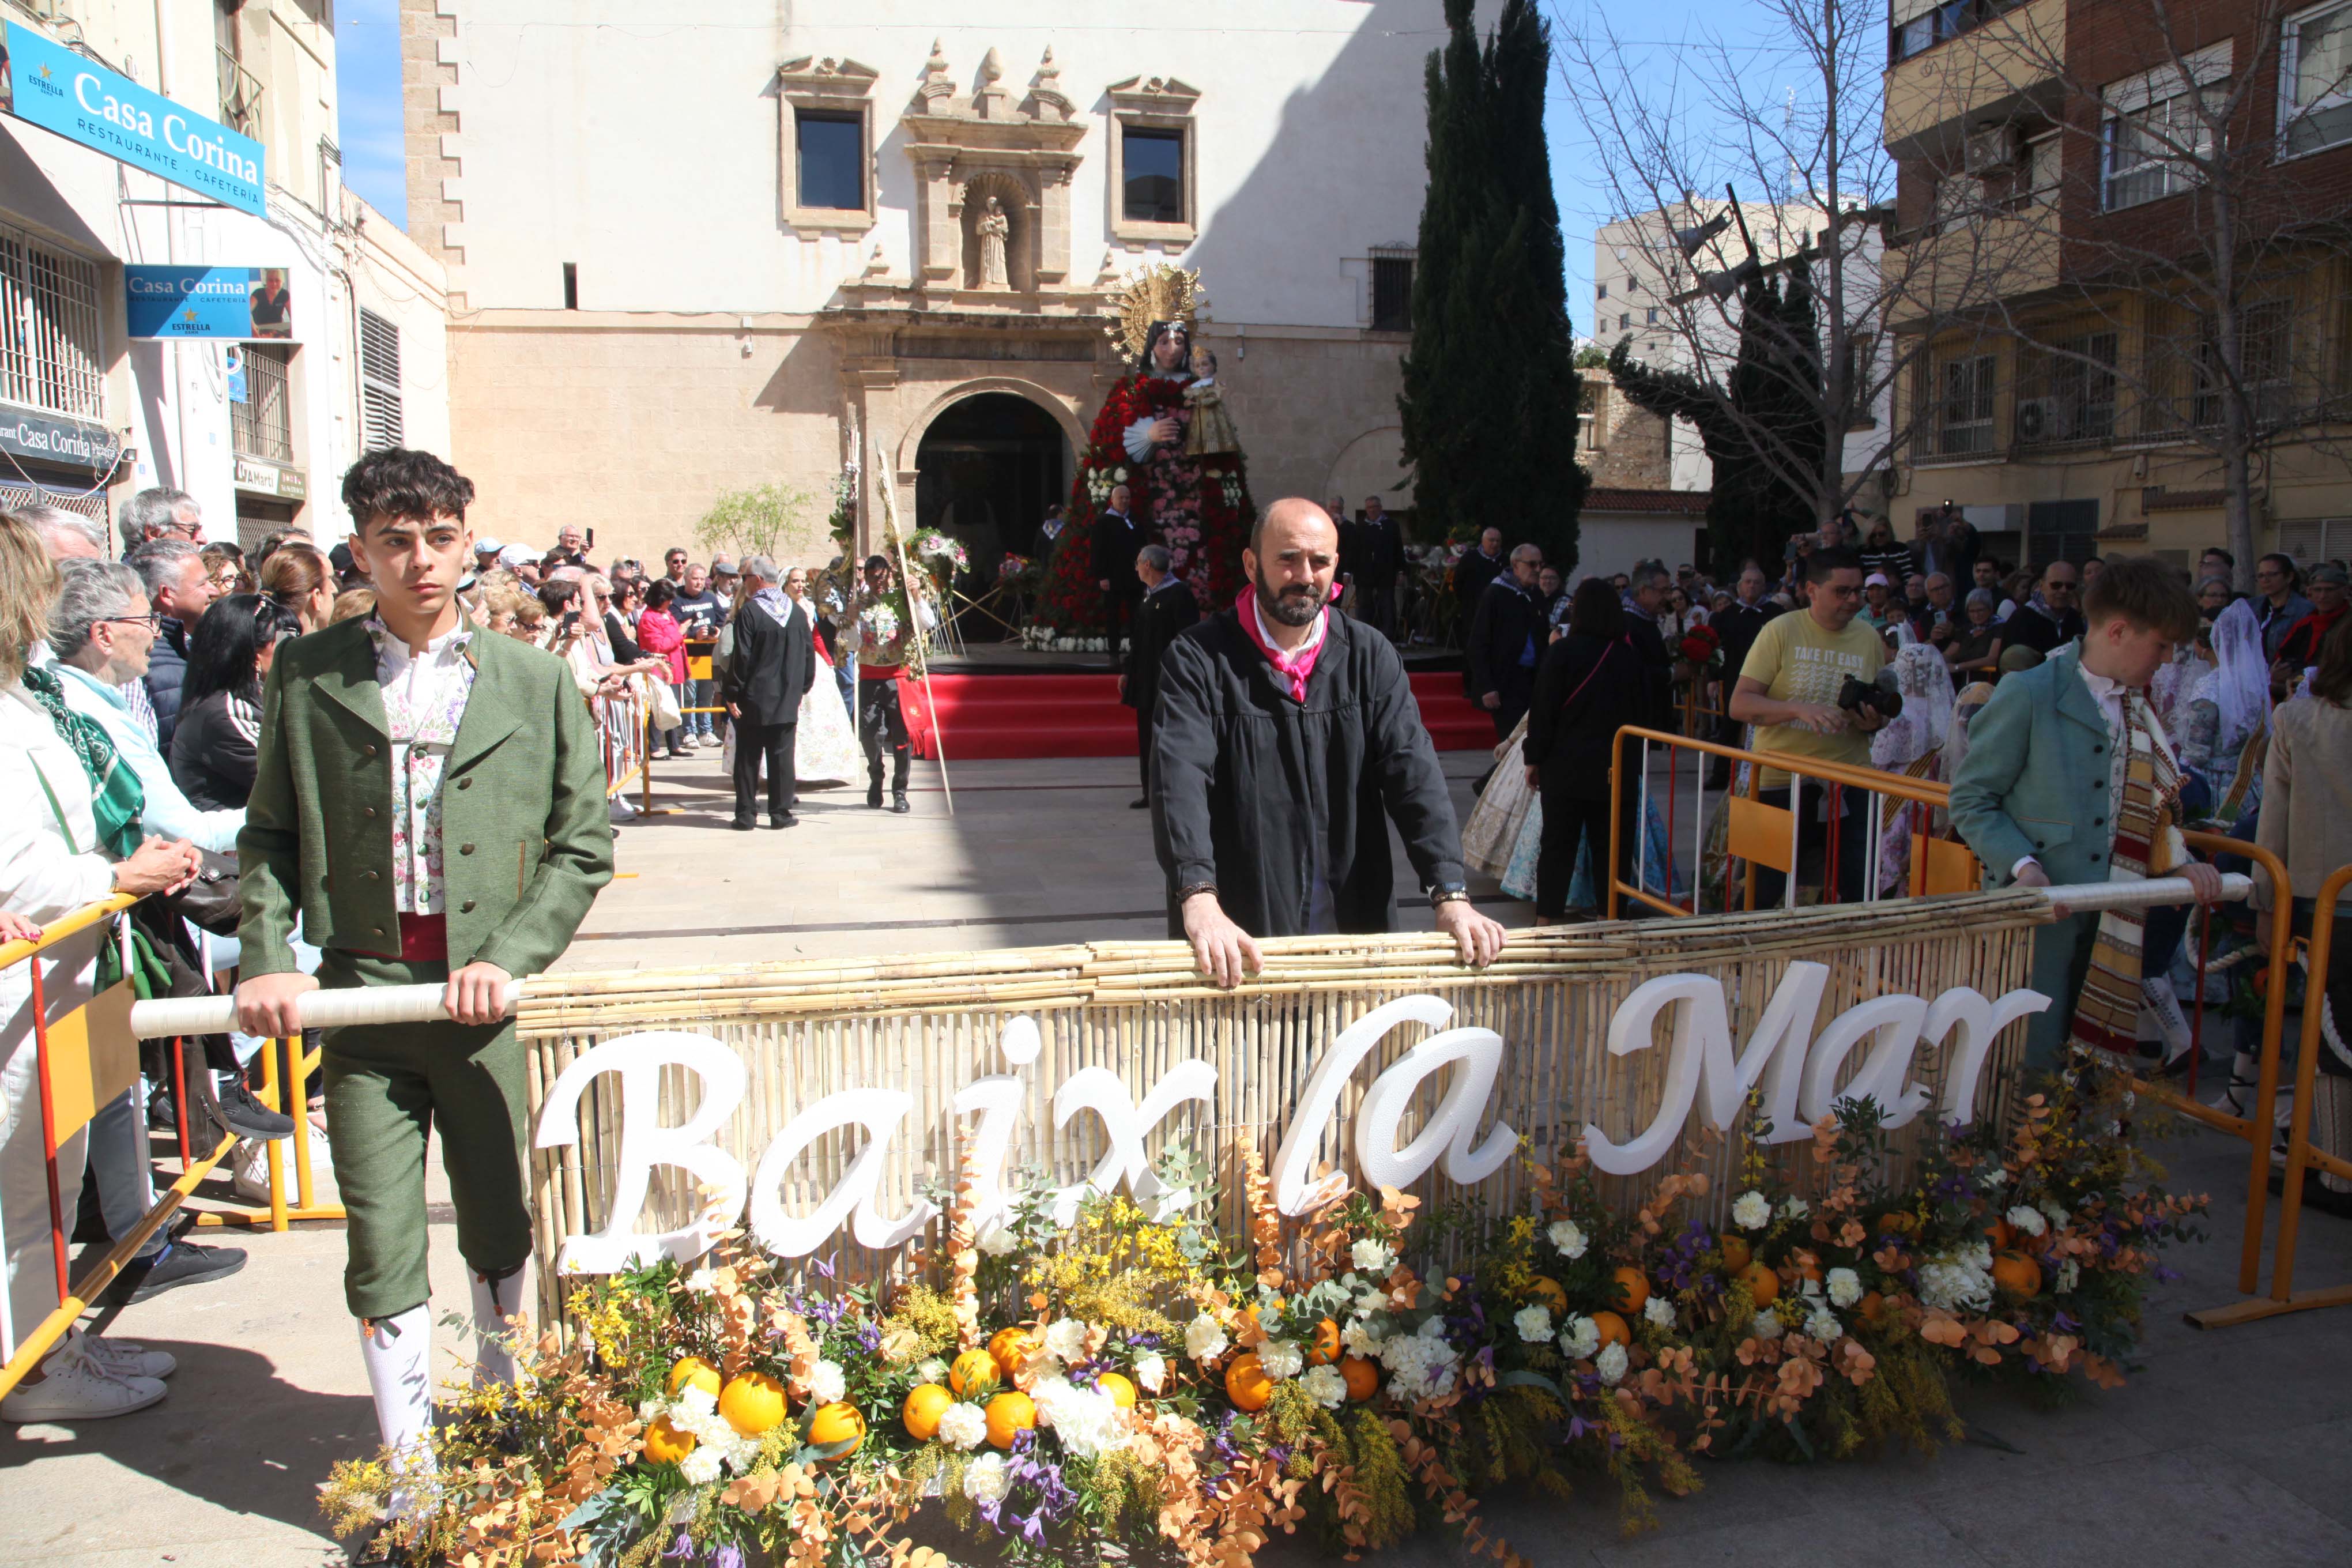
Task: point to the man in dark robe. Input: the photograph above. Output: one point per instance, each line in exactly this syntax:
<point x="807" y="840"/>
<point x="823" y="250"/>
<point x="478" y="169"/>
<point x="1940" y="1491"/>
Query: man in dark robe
<point x="1167" y="607"/>
<point x="1506" y="639"/>
<point x="1380" y="552"/>
<point x="1287" y="740"/>
<point x="773" y="660"/>
<point x="1117" y="537"/>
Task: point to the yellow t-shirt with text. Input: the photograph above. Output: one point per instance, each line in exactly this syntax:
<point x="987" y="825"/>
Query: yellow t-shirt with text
<point x="1799" y="662"/>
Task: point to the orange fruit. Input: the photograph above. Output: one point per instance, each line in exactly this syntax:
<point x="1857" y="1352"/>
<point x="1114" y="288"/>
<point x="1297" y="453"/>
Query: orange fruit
<point x="1895" y="1224"/>
<point x="693" y="1371"/>
<point x="752" y="1403"/>
<point x="1009" y="1413"/>
<point x="1119" y="1386"/>
<point x="2017" y="1274"/>
<point x="1628" y="1290"/>
<point x="974" y="1372"/>
<point x="1547" y="1291"/>
<point x="1809" y="1267"/>
<point x="836" y="1423"/>
<point x="1011" y="1350"/>
<point x="1323" y="1346"/>
<point x="1762" y="1284"/>
<point x="1737" y="1254"/>
<point x="665" y="1444"/>
<point x="2002" y="1234"/>
<point x="1246" y="1384"/>
<point x="1363" y="1378"/>
<point x="1612" y="1329"/>
<point x="925" y="1405"/>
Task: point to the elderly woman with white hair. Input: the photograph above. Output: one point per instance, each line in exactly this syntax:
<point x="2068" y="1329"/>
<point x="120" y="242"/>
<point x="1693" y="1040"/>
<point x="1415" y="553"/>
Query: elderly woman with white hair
<point x="71" y="838"/>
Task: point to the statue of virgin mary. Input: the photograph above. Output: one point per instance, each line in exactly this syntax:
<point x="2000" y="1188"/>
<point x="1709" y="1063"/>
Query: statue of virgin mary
<point x="1198" y="506"/>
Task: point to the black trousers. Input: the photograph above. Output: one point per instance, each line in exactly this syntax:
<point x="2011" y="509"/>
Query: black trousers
<point x="1376" y="602"/>
<point x="1573" y="817"/>
<point x="1118" y="614"/>
<point x="1852" y="845"/>
<point x="1516" y="691"/>
<point x="880" y="723"/>
<point x="774" y="743"/>
<point x="1143" y="752"/>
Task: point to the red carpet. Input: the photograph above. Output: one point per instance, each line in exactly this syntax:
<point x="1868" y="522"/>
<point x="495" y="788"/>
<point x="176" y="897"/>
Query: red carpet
<point x="1081" y="716"/>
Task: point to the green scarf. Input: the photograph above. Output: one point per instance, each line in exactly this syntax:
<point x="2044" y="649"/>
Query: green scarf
<point x="117" y="795"/>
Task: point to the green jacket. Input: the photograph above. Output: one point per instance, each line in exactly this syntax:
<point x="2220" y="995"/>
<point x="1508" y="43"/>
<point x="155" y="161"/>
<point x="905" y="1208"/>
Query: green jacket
<point x="2035" y="781"/>
<point x="523" y="814"/>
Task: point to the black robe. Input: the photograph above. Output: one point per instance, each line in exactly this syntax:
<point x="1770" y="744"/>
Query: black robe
<point x="1275" y="801"/>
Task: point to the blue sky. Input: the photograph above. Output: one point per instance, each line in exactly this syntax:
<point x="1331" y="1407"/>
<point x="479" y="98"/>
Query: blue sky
<point x="367" y="41"/>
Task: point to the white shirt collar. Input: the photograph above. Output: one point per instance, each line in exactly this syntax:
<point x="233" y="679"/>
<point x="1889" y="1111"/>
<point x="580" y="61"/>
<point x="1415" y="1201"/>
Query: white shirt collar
<point x="392" y="653"/>
<point x="2103" y="688"/>
<point x="1314" y="634"/>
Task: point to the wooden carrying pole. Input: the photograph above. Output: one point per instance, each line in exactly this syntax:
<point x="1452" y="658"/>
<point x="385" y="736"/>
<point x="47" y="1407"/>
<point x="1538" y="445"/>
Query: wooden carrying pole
<point x="915" y="629"/>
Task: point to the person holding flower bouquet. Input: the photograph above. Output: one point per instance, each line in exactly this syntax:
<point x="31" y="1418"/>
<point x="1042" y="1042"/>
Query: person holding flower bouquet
<point x="882" y="636"/>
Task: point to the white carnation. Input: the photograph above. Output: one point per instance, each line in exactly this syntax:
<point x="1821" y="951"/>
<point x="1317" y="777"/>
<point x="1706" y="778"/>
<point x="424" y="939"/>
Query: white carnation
<point x="695" y="1401"/>
<point x="2070" y="1274"/>
<point x="2027" y="1221"/>
<point x="1151" y="1372"/>
<point x="1795" y="1207"/>
<point x="1433" y="1328"/>
<point x="1326" y="1386"/>
<point x="1823" y="1326"/>
<point x="1359" y="1338"/>
<point x="963" y="1427"/>
<point x="742" y="1455"/>
<point x="2058" y="1216"/>
<point x="1533" y="1323"/>
<point x="998" y="1241"/>
<point x="1751" y="1212"/>
<point x="931" y="1371"/>
<point x="1372" y="1300"/>
<point x="1279" y="1359"/>
<point x="1580" y="1338"/>
<point x="1087" y="1421"/>
<point x="1960" y="1280"/>
<point x="1845" y="1287"/>
<point x="1372" y="1256"/>
<point x="1611" y="1363"/>
<point x="1659" y="1311"/>
<point x="1420" y="1365"/>
<point x="701" y="1467"/>
<point x="1993" y="1176"/>
<point x="1568" y="1237"/>
<point x="984" y="1479"/>
<point x="700" y="1283"/>
<point x="825" y="1383"/>
<point x="1767" y="1326"/>
<point x="1065" y="1340"/>
<point x="1203" y="1339"/>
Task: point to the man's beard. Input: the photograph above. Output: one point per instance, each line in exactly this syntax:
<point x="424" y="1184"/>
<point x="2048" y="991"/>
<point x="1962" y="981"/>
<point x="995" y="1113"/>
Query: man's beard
<point x="1293" y="606"/>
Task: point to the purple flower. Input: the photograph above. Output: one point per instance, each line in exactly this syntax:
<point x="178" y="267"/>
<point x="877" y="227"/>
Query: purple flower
<point x="727" y="1556"/>
<point x="682" y="1547"/>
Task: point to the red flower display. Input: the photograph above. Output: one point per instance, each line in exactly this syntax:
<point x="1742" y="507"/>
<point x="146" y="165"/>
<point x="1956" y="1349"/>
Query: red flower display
<point x="1700" y="645"/>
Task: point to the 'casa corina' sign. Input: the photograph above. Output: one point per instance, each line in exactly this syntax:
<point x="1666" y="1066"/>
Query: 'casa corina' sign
<point x="1444" y="1084"/>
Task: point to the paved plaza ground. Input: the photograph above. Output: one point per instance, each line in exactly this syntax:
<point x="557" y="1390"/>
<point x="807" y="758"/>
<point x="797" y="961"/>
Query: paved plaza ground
<point x="2233" y="1446"/>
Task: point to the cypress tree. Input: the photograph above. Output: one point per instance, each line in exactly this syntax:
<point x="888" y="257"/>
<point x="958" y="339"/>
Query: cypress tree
<point x="1490" y="393"/>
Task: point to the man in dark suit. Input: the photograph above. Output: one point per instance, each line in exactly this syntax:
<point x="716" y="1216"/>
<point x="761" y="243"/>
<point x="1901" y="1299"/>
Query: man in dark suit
<point x="1380" y="552"/>
<point x="1506" y="639"/>
<point x="1167" y="607"/>
<point x="767" y="672"/>
<point x="1477" y="568"/>
<point x="1117" y="537"/>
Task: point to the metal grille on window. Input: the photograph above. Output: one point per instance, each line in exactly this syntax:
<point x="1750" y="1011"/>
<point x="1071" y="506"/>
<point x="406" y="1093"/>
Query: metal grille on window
<point x="262" y="426"/>
<point x="49" y="328"/>
<point x="2315" y="538"/>
<point x="2066" y="386"/>
<point x="1964" y="410"/>
<point x="1391" y="293"/>
<point x="379" y="383"/>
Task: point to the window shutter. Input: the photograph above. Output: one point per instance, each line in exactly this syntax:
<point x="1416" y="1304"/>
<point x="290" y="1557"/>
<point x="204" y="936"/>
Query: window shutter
<point x="379" y="383"/>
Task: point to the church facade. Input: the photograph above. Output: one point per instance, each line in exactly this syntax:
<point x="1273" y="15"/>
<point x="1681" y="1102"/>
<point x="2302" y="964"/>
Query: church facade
<point x="690" y="257"/>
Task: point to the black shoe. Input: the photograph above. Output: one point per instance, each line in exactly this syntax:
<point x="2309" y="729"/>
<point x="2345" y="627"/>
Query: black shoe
<point x="898" y="802"/>
<point x="1139" y="804"/>
<point x="159" y="1112"/>
<point x="873" y="797"/>
<point x="237" y="1111"/>
<point x="787" y="820"/>
<point x="740" y="826"/>
<point x="180" y="1263"/>
<point x="677" y="756"/>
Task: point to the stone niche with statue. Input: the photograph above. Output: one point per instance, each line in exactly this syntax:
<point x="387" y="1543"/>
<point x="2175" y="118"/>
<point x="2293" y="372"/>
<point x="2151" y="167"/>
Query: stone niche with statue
<point x="992" y="172"/>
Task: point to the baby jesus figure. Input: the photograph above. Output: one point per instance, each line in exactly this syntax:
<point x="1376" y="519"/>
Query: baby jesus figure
<point x="1211" y="428"/>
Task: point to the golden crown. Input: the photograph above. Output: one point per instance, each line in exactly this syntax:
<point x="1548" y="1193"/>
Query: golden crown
<point x="1160" y="293"/>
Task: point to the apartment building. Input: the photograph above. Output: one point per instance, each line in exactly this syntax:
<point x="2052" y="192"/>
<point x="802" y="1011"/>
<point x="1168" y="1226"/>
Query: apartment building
<point x="2101" y="359"/>
<point x="188" y="295"/>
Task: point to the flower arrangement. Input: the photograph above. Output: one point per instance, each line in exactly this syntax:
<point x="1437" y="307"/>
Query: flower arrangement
<point x="1700" y="648"/>
<point x="1080" y="1384"/>
<point x="880" y="620"/>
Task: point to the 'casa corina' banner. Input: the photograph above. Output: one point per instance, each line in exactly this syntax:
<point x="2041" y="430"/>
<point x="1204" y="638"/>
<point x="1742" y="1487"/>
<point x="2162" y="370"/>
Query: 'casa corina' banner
<point x="83" y="102"/>
<point x="822" y="1105"/>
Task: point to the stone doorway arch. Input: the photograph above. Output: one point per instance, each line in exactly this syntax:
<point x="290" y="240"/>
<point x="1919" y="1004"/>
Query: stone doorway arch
<point x="987" y="464"/>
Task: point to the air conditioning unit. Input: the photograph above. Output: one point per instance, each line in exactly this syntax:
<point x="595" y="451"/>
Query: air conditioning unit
<point x="2040" y="419"/>
<point x="1990" y="152"/>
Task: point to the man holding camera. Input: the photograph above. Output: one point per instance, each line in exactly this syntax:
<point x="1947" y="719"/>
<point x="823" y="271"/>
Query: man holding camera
<point x="1808" y="686"/>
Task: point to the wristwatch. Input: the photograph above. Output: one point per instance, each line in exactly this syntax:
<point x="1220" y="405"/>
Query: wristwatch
<point x="1448" y="893"/>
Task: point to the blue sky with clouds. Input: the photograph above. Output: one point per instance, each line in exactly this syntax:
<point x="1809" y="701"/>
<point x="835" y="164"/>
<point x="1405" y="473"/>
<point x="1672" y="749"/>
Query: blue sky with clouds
<point x="367" y="41"/>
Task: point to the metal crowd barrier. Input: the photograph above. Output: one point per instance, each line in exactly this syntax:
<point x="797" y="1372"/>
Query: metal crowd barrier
<point x="1771" y="836"/>
<point x="628" y="755"/>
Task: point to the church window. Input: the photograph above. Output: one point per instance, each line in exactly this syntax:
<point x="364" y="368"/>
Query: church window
<point x="1391" y="293"/>
<point x="1155" y="175"/>
<point x="833" y="157"/>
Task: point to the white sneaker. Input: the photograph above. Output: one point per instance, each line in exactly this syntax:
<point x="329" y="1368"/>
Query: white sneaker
<point x="79" y="1387"/>
<point x="126" y="1358"/>
<point x="622" y="809"/>
<point x="2156" y="992"/>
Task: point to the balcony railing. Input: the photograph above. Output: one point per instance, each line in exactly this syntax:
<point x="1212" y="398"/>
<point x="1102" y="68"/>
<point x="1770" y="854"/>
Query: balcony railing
<point x="240" y="96"/>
